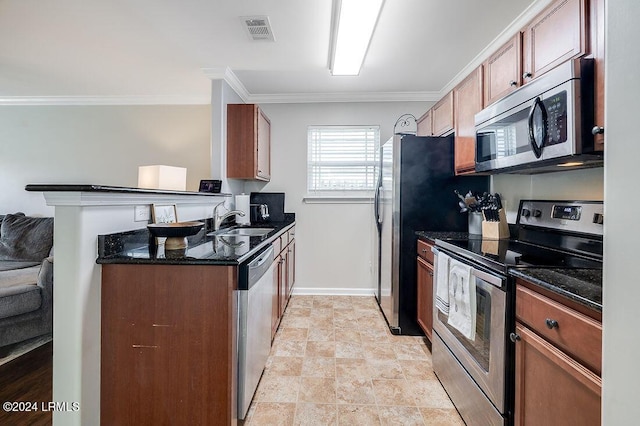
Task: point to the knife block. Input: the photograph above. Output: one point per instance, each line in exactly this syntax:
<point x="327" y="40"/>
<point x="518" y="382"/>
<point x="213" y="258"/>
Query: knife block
<point x="496" y="230"/>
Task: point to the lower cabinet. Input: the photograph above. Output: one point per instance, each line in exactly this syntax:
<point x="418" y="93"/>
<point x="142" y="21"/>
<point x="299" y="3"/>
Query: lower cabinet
<point x="283" y="276"/>
<point x="558" y="362"/>
<point x="424" y="292"/>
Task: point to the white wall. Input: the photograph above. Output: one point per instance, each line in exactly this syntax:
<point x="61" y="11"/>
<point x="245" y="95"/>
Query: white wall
<point x="96" y="145"/>
<point x="585" y="184"/>
<point x="333" y="241"/>
<point x="620" y="372"/>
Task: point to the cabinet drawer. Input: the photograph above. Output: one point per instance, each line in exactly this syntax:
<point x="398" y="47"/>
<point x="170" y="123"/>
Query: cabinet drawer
<point x="284" y="239"/>
<point x="277" y="246"/>
<point x="424" y="251"/>
<point x="291" y="234"/>
<point x="571" y="331"/>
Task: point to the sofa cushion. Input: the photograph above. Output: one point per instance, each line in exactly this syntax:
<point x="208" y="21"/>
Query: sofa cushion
<point x="25" y="238"/>
<point x="7" y="265"/>
<point x="19" y="292"/>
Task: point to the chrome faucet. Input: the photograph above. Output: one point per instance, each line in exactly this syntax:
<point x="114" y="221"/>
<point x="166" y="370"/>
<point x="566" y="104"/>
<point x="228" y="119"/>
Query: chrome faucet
<point x="217" y="220"/>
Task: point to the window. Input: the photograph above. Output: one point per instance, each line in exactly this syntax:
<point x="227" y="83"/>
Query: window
<point x="342" y="160"/>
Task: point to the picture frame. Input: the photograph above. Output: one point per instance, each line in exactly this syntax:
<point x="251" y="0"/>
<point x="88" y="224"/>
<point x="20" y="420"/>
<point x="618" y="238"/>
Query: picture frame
<point x="210" y="185"/>
<point x="164" y="213"/>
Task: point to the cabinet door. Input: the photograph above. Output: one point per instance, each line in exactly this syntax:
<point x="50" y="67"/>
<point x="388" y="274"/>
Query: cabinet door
<point x="597" y="48"/>
<point x="275" y="304"/>
<point x="468" y="102"/>
<point x="442" y="115"/>
<point x="425" y="296"/>
<point x="554" y="36"/>
<point x="291" y="267"/>
<point x="263" y="168"/>
<point x="552" y="388"/>
<point x="502" y="71"/>
<point x="282" y="283"/>
<point x="425" y="125"/>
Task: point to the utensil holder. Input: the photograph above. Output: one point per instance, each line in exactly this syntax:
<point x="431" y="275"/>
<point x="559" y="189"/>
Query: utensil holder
<point x="475" y="223"/>
<point x="496" y="230"/>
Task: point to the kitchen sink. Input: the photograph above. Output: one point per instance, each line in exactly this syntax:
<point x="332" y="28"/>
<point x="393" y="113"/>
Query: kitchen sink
<point x="251" y="232"/>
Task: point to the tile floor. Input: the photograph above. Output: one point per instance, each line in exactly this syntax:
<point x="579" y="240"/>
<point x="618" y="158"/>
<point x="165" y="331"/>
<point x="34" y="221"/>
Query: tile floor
<point x="334" y="362"/>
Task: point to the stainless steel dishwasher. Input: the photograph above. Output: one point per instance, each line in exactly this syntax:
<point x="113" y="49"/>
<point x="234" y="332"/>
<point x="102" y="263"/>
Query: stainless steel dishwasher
<point x="255" y="296"/>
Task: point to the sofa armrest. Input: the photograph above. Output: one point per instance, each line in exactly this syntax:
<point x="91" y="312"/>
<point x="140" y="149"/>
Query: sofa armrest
<point x="45" y="282"/>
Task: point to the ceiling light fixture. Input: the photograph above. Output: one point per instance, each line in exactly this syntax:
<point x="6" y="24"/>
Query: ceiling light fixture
<point x="352" y="27"/>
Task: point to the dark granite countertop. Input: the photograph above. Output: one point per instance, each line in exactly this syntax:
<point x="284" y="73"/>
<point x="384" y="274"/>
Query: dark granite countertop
<point x="107" y="188"/>
<point x="583" y="286"/>
<point x="139" y="247"/>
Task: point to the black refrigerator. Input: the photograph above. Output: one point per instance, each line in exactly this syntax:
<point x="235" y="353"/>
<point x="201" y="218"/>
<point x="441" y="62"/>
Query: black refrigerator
<point x="414" y="192"/>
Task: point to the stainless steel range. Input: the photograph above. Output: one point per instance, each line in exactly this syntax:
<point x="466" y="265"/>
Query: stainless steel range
<point x="474" y="293"/>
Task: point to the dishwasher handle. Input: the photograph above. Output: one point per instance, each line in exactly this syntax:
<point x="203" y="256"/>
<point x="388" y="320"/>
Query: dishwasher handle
<point x="259" y="266"/>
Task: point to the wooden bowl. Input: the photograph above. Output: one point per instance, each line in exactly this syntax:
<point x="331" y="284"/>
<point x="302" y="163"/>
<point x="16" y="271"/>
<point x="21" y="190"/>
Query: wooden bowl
<point x="175" y="233"/>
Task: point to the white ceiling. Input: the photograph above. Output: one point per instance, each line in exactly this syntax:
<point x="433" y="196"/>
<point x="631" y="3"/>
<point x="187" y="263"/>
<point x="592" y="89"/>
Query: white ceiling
<point x="167" y="50"/>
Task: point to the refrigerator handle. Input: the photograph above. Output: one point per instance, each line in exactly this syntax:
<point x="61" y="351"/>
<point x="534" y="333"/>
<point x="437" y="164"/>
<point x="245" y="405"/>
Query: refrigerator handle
<point x="376" y="206"/>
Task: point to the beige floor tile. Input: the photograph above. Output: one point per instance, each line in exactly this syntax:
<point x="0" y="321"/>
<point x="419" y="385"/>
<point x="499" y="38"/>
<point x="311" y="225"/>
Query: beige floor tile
<point x="292" y="333"/>
<point x="277" y="389"/>
<point x="301" y="302"/>
<point x="412" y="351"/>
<point x="429" y="393"/>
<point x="318" y="390"/>
<point x="441" y="417"/>
<point x="267" y="413"/>
<point x="373" y="335"/>
<point x="321" y="322"/>
<point x="296" y="311"/>
<point x="348" y="314"/>
<point x="393" y="392"/>
<point x="321" y="349"/>
<point x="308" y="414"/>
<point x="284" y="366"/>
<point x="352" y="368"/>
<point x="319" y="367"/>
<point x="378" y="351"/>
<point x="349" y="350"/>
<point x="322" y="301"/>
<point x="345" y="323"/>
<point x="354" y="391"/>
<point x="342" y="303"/>
<point x="288" y="348"/>
<point x="367" y="302"/>
<point x="405" y="416"/>
<point x="385" y="369"/>
<point x="348" y="335"/>
<point x="417" y="370"/>
<point x="318" y="313"/>
<point x="295" y="322"/>
<point x="321" y="334"/>
<point x="360" y="415"/>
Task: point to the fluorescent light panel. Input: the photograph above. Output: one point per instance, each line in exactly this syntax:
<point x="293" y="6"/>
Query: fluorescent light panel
<point x="356" y="21"/>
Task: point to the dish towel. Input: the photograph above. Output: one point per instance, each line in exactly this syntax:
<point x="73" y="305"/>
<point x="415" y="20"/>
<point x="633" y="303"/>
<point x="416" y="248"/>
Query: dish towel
<point x="442" y="283"/>
<point x="462" y="299"/>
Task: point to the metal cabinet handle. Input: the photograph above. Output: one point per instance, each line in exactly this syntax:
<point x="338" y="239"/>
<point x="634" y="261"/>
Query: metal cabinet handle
<point x="527" y="74"/>
<point x="430" y="274"/>
<point x="597" y="130"/>
<point x="424" y="250"/>
<point x="514" y="337"/>
<point x="513" y="83"/>
<point x="551" y="323"/>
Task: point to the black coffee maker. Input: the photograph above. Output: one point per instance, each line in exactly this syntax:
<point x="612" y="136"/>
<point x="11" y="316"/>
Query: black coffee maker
<point x="259" y="213"/>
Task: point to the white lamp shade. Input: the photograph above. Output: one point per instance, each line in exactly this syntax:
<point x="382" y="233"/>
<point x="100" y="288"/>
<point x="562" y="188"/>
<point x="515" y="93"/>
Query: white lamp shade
<point x="162" y="177"/>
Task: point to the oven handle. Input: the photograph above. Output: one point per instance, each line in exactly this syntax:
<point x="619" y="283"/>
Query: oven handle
<point x="492" y="278"/>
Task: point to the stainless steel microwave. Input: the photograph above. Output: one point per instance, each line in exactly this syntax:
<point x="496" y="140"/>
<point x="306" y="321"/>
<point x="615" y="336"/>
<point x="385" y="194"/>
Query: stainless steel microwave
<point x="543" y="126"/>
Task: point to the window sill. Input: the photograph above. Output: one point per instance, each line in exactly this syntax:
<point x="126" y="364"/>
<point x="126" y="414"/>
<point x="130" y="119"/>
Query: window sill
<point x="337" y="199"/>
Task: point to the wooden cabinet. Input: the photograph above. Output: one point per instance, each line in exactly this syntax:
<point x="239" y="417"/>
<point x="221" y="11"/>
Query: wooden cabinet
<point x="283" y="275"/>
<point x="598" y="49"/>
<point x="502" y="70"/>
<point x="558" y="361"/>
<point x="167" y="338"/>
<point x="468" y="102"/>
<point x="425" y="127"/>
<point x="425" y="288"/>
<point x="248" y="142"/>
<point x="557" y="34"/>
<point x="442" y="115"/>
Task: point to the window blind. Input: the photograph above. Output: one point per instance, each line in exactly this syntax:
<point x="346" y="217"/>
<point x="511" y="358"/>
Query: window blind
<point x="342" y="158"/>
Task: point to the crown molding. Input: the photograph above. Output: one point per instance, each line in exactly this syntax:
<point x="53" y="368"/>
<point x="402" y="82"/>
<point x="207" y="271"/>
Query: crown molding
<point x="518" y="24"/>
<point x="231" y="79"/>
<point x="104" y="100"/>
<point x="292" y="98"/>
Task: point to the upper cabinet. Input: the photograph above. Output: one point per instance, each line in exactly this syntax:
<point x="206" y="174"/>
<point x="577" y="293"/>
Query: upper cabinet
<point x="467" y="98"/>
<point x="425" y="125"/>
<point x="597" y="49"/>
<point x="557" y="34"/>
<point x="502" y="70"/>
<point x="248" y="142"/>
<point x="442" y="115"/>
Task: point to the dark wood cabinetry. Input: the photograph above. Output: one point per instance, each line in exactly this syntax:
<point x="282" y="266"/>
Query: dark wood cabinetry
<point x="442" y="115"/>
<point x="425" y="288"/>
<point x="556" y="35"/>
<point x="284" y="275"/>
<point x="598" y="49"/>
<point x="248" y="142"/>
<point x="167" y="339"/>
<point x="467" y="98"/>
<point x="558" y="362"/>
<point x="502" y="70"/>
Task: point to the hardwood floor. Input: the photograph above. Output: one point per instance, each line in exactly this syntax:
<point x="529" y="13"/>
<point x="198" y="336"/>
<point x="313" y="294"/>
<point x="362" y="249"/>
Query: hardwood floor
<point x="28" y="378"/>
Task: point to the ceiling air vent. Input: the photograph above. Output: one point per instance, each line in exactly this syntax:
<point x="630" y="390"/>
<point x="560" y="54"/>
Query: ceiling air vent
<point x="258" y="27"/>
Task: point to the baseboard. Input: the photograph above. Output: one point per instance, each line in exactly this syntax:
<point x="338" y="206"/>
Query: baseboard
<point x="314" y="291"/>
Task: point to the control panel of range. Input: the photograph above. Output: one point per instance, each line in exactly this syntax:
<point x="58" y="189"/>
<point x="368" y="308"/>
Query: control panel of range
<point x="576" y="216"/>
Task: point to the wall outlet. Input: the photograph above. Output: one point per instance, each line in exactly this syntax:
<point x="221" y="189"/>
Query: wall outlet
<point x="142" y="214"/>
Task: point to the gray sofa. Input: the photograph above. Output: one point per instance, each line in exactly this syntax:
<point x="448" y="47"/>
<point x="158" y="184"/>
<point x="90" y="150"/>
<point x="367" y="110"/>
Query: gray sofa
<point x="26" y="277"/>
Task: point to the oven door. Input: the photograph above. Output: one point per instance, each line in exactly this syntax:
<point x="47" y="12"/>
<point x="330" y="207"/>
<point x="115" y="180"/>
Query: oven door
<point x="484" y="357"/>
